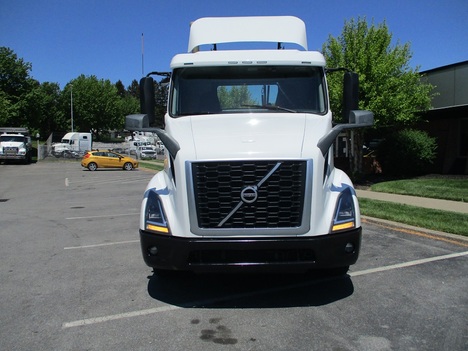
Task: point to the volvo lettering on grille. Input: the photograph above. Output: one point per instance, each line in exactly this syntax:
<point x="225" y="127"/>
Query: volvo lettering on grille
<point x="249" y="194"/>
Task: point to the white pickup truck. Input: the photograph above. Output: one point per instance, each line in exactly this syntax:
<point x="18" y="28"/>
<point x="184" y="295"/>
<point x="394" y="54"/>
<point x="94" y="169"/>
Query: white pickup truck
<point x="249" y="181"/>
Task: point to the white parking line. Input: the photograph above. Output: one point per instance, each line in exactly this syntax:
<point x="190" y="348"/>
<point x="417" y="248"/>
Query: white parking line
<point x="105" y="216"/>
<point x="90" y="321"/>
<point x="98" y="245"/>
<point x="407" y="264"/>
<point x="118" y="316"/>
<point x="125" y="179"/>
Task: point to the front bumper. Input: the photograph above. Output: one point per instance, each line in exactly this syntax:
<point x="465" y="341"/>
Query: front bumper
<point x="12" y="157"/>
<point x="250" y="254"/>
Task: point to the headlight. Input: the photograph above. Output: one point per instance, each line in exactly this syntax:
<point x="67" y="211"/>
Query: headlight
<point x="155" y="219"/>
<point x="345" y="215"/>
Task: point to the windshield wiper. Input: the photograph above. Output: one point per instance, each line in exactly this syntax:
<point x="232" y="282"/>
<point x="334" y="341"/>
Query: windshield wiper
<point x="196" y="113"/>
<point x="271" y="107"/>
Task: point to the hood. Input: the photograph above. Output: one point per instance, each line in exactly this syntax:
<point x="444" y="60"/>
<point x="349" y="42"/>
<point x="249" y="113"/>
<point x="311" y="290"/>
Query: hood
<point x="278" y="135"/>
<point x="12" y="144"/>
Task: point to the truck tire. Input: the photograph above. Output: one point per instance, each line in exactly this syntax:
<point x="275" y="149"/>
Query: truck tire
<point x="27" y="159"/>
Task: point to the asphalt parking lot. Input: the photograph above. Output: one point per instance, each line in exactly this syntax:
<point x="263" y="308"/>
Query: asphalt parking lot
<point x="72" y="278"/>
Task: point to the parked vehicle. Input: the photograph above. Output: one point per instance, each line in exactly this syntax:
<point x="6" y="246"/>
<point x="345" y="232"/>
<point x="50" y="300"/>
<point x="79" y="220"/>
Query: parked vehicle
<point x="146" y="152"/>
<point x="107" y="159"/>
<point x="76" y="142"/>
<point x="15" y="144"/>
<point x="249" y="181"/>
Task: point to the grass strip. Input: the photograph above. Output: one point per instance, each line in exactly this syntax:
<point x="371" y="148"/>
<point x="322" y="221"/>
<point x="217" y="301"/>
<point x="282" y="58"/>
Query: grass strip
<point x="444" y="221"/>
<point x="446" y="189"/>
<point x="156" y="166"/>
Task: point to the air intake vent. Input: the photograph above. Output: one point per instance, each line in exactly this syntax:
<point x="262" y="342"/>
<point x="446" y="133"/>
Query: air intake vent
<point x="249" y="195"/>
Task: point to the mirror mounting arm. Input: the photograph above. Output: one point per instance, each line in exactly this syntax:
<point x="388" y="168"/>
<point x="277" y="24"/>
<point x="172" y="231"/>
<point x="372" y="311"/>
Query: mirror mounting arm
<point x="140" y="123"/>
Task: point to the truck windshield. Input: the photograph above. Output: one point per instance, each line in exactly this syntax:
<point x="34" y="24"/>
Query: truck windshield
<point x="12" y="138"/>
<point x="240" y="89"/>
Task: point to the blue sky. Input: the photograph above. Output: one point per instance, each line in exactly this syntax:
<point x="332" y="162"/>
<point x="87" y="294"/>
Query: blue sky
<point x="65" y="38"/>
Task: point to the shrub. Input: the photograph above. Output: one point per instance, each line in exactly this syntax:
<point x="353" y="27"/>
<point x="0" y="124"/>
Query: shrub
<point x="407" y="152"/>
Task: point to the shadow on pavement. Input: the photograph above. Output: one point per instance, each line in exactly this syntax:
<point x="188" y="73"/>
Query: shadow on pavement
<point x="248" y="290"/>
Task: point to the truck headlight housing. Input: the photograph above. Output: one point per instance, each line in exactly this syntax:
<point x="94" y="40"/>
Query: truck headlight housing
<point x="345" y="214"/>
<point x="155" y="218"/>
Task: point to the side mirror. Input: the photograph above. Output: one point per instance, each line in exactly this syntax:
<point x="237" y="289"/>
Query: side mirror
<point x="352" y="117"/>
<point x="357" y="119"/>
<point x="350" y="94"/>
<point x="141" y="123"/>
<point x="361" y="118"/>
<point x="136" y="122"/>
<point x="147" y="103"/>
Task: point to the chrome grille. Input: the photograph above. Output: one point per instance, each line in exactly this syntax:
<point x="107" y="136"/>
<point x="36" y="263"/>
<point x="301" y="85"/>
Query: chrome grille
<point x="10" y="150"/>
<point x="217" y="188"/>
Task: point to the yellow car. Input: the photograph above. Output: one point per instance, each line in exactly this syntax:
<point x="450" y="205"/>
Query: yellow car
<point x="107" y="159"/>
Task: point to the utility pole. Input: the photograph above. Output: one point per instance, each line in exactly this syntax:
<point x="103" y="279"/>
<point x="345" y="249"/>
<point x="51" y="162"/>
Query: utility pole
<point x="142" y="55"/>
<point x="71" y="106"/>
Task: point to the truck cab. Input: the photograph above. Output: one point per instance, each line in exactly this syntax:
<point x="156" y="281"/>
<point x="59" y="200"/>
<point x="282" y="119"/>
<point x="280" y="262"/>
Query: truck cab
<point x="73" y="143"/>
<point x="15" y="144"/>
<point x="249" y="181"/>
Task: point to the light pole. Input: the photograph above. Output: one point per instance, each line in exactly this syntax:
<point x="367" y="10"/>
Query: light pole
<point x="71" y="106"/>
<point x="39" y="154"/>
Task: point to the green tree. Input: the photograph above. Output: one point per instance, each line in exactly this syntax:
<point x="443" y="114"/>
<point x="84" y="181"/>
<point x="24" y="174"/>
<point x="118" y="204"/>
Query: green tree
<point x="7" y="109"/>
<point x="134" y="89"/>
<point x="120" y="89"/>
<point x="235" y="97"/>
<point x="14" y="74"/>
<point x="161" y="92"/>
<point x="15" y="83"/>
<point x="407" y="152"/>
<point x="128" y="105"/>
<point x="389" y="87"/>
<point x="43" y="104"/>
<point x="96" y="104"/>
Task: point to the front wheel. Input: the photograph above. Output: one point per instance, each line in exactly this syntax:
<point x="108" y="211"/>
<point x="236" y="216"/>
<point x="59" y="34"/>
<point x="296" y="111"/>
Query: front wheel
<point x="92" y="166"/>
<point x="128" y="166"/>
<point x="27" y="159"/>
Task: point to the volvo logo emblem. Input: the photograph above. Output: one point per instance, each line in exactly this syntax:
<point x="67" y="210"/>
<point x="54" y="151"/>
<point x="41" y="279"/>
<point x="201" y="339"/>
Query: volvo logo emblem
<point x="249" y="194"/>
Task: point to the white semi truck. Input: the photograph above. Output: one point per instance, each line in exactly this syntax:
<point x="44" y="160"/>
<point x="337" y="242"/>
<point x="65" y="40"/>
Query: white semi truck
<point x="73" y="142"/>
<point x="249" y="181"/>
